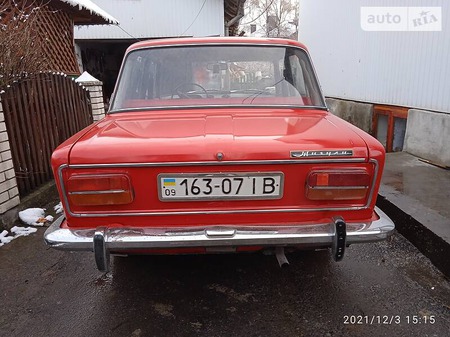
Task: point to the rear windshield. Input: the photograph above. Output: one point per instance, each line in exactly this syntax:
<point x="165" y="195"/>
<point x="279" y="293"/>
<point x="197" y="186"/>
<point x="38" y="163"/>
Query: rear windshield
<point x="233" y="75"/>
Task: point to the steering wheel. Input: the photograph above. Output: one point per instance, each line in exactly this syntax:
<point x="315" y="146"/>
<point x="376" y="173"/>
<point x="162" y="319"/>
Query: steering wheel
<point x="183" y="94"/>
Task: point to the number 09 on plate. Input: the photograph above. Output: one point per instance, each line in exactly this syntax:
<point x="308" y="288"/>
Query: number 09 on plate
<point x="220" y="186"/>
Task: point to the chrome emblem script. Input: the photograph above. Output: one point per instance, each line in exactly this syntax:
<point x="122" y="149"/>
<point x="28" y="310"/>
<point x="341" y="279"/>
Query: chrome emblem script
<point x="321" y="154"/>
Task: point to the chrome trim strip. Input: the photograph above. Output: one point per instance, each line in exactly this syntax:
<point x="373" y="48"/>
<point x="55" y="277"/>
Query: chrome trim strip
<point x="375" y="177"/>
<point x="312" y="235"/>
<point x="220" y="233"/>
<point x="222" y="163"/>
<point x="97" y="192"/>
<point x="338" y="187"/>
<point x="236" y="211"/>
<point x="240" y="211"/>
<point x="216" y="106"/>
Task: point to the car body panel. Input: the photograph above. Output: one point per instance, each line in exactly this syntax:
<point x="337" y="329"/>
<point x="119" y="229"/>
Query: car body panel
<point x="195" y="136"/>
<point x="146" y="141"/>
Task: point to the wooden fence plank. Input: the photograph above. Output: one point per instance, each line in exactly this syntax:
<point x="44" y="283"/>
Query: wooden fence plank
<point x="49" y="93"/>
<point x="40" y="113"/>
<point x="30" y="135"/>
<point x="77" y="106"/>
<point x="63" y="123"/>
<point x="71" y="110"/>
<point x="36" y="131"/>
<point x="45" y="120"/>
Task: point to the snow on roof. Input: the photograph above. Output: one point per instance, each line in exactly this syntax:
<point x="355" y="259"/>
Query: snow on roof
<point x="86" y="77"/>
<point x="93" y="8"/>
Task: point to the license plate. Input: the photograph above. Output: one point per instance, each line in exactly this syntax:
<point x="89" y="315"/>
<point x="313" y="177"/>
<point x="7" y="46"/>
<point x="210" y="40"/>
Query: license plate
<point x="220" y="186"/>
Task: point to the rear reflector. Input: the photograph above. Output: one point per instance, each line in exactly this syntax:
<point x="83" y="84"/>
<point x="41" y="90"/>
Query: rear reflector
<point x="93" y="190"/>
<point x="337" y="185"/>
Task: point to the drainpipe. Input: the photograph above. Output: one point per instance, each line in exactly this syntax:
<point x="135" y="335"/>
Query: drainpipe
<point x="239" y="15"/>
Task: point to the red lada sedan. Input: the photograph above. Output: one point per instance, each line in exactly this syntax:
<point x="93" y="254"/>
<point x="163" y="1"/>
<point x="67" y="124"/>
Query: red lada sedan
<point x="217" y="145"/>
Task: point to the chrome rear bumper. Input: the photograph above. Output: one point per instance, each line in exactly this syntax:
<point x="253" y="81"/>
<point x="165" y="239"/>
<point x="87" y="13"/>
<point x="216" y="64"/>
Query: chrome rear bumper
<point x="103" y="240"/>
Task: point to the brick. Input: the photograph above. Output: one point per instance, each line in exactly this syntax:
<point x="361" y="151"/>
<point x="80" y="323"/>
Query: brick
<point x="92" y="84"/>
<point x="5" y="155"/>
<point x="7" y="185"/>
<point x="95" y="100"/>
<point x="98" y="117"/>
<point x="9" y="204"/>
<point x="98" y="109"/>
<point x="4" y="197"/>
<point x="3" y="136"/>
<point x="2" y="116"/>
<point x="98" y="112"/>
<point x="4" y="146"/>
<point x="13" y="192"/>
<point x="2" y="126"/>
<point x="6" y="165"/>
<point x="96" y="92"/>
<point x="9" y="174"/>
<point x="2" y="177"/>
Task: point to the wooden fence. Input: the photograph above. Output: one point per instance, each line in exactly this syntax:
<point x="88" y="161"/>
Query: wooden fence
<point x="40" y="113"/>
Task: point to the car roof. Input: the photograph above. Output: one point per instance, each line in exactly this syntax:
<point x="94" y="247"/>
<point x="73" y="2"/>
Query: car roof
<point x="214" y="40"/>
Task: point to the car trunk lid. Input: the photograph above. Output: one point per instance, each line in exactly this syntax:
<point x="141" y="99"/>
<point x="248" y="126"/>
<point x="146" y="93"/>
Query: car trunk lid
<point x="195" y="137"/>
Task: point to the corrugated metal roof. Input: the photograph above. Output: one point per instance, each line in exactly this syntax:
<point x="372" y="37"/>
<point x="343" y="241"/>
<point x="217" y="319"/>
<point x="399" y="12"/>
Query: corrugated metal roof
<point x="408" y="68"/>
<point x="86" y="12"/>
<point x="154" y="19"/>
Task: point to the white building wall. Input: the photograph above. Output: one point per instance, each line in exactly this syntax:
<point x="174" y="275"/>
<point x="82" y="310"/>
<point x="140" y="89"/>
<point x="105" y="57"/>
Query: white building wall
<point x="143" y="19"/>
<point x="397" y="68"/>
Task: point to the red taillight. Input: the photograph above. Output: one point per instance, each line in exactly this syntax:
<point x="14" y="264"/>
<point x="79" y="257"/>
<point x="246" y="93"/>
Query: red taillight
<point x="337" y="185"/>
<point x="105" y="189"/>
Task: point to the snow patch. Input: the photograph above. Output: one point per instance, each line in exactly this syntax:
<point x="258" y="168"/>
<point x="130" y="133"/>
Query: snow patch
<point x="92" y="8"/>
<point x="4" y="238"/>
<point x="86" y="77"/>
<point x="58" y="208"/>
<point x="18" y="231"/>
<point x="34" y="216"/>
<point x="30" y="216"/>
<point x="23" y="231"/>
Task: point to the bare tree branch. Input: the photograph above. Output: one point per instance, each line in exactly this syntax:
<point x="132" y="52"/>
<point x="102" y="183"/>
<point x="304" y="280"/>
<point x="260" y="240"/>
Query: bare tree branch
<point x="273" y="18"/>
<point x="21" y="45"/>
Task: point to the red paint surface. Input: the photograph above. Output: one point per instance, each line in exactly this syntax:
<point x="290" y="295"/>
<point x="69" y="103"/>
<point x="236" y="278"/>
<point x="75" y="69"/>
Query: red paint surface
<point x="197" y="135"/>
